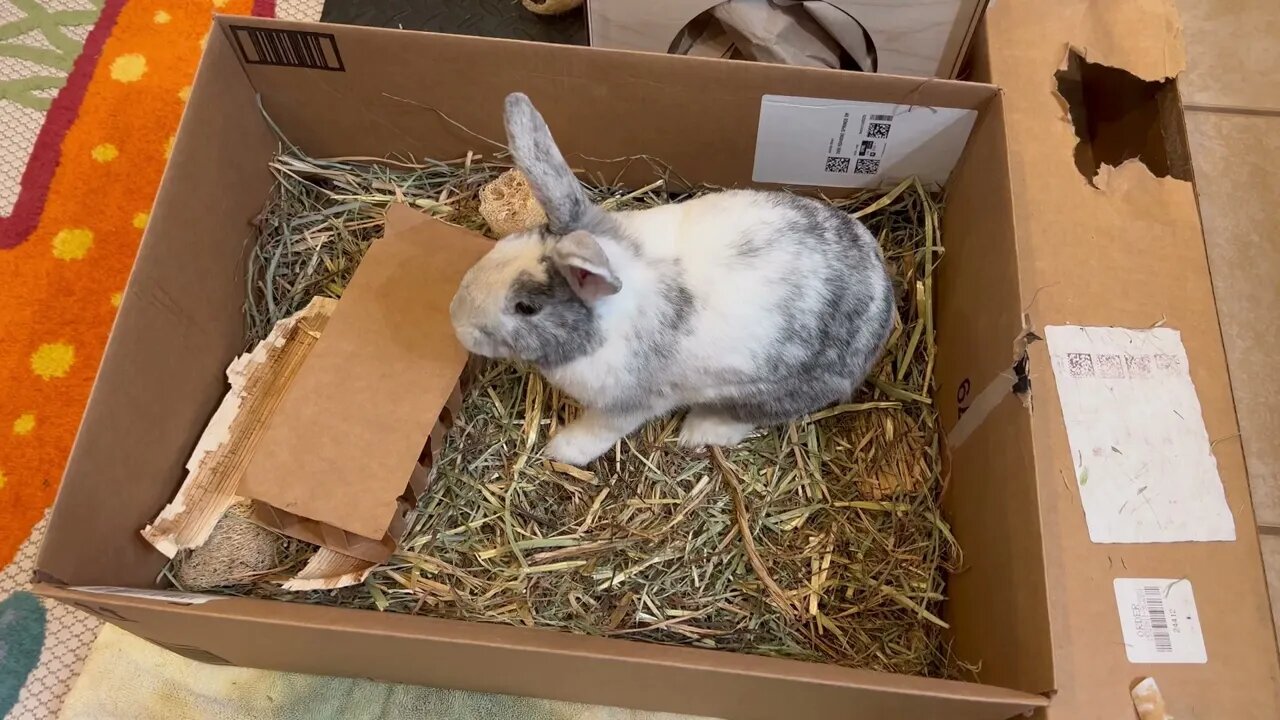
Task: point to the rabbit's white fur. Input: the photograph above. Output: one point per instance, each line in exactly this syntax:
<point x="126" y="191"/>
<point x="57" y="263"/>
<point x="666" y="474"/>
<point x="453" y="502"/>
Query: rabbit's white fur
<point x="714" y="359"/>
<point x="746" y="307"/>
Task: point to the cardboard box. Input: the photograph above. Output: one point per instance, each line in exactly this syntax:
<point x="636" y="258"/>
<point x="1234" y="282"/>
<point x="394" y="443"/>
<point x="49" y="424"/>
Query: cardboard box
<point x="1029" y="242"/>
<point x="908" y="37"/>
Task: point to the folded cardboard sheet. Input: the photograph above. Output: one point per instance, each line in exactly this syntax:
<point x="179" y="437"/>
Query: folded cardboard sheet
<point x="329" y="421"/>
<point x="345" y="439"/>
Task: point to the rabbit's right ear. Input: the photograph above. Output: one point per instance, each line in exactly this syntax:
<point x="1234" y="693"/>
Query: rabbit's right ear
<point x="536" y="154"/>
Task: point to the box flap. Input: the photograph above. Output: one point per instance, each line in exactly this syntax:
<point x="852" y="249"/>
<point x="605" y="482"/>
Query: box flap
<point x="708" y="100"/>
<point x="343" y="443"/>
<point x="537" y="662"/>
<point x="1122" y="249"/>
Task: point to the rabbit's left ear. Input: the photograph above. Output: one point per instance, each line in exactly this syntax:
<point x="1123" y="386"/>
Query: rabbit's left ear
<point x="558" y="192"/>
<point x="582" y="262"/>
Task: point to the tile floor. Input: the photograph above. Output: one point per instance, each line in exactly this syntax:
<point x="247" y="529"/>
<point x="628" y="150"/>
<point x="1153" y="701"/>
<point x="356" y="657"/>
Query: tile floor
<point x="1231" y="93"/>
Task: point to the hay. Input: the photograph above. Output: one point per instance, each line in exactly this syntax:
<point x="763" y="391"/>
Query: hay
<point x="821" y="541"/>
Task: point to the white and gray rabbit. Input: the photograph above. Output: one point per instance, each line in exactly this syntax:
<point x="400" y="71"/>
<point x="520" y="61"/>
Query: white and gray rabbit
<point x="748" y="308"/>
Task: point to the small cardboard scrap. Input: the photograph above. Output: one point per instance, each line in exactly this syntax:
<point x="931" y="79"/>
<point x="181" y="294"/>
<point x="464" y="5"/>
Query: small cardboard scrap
<point x="329" y="570"/>
<point x="344" y="441"/>
<point x="258" y="380"/>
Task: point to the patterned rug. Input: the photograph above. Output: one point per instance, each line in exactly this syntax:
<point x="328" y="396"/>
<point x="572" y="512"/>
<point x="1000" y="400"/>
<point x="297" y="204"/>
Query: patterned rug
<point x="91" y="92"/>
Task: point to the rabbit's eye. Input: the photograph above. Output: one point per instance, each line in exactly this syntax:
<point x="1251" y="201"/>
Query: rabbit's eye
<point x="527" y="308"/>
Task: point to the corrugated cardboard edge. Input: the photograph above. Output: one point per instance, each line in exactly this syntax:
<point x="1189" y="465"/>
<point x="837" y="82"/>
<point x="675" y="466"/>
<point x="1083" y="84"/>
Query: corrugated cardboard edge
<point x="341" y="453"/>
<point x="318" y="533"/>
<point x="330" y="570"/>
<point x="258" y="380"/>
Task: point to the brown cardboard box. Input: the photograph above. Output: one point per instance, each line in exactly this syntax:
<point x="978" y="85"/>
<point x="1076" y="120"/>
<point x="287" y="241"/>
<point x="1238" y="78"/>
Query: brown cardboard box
<point x="1034" y="604"/>
<point x="924" y="38"/>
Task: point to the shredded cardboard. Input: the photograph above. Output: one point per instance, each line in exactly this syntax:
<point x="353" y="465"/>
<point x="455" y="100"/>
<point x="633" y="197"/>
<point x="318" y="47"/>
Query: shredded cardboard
<point x="258" y="380"/>
<point x="329" y="570"/>
<point x="230" y="539"/>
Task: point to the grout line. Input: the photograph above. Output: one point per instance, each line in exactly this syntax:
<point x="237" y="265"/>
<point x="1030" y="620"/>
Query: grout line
<point x="1230" y="110"/>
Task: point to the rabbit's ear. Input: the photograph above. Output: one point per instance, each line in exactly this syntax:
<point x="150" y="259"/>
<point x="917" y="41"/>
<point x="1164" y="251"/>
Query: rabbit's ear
<point x="582" y="262"/>
<point x="537" y="156"/>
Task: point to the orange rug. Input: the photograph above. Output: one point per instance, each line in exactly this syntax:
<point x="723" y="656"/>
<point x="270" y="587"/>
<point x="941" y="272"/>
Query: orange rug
<point x="60" y="286"/>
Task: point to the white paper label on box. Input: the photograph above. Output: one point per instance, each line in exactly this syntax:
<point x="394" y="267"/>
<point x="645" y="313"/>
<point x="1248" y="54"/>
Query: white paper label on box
<point x="169" y="596"/>
<point x="1159" y="620"/>
<point x="1143" y="462"/>
<point x="845" y="143"/>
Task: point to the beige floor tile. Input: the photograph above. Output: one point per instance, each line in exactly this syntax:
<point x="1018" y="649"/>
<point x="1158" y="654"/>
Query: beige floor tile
<point x="1233" y="52"/>
<point x="1237" y="170"/>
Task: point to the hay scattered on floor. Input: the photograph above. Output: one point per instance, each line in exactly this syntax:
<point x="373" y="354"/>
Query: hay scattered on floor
<point x="820" y="541"/>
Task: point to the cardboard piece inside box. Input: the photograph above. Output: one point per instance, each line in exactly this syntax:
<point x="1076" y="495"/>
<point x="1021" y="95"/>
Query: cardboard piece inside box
<point x="343" y="443"/>
<point x="332" y="422"/>
<point x="923" y="39"/>
<point x="1030" y="242"/>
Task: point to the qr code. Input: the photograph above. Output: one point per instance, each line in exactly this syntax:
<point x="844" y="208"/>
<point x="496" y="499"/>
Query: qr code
<point x="867" y="166"/>
<point x="1110" y="366"/>
<point x="1167" y="364"/>
<point x="837" y="164"/>
<point x="1080" y="365"/>
<point x="879" y="130"/>
<point x="1139" y="366"/>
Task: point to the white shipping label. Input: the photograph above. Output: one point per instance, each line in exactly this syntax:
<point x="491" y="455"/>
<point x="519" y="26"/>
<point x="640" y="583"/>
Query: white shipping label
<point x="845" y="143"/>
<point x="1143" y="462"/>
<point x="1159" y="620"/>
<point x="169" y="596"/>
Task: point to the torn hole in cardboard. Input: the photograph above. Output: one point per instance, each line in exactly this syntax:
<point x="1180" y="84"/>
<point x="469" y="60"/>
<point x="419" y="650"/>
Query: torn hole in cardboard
<point x="1016" y="380"/>
<point x="1119" y="117"/>
<point x="1021" y="362"/>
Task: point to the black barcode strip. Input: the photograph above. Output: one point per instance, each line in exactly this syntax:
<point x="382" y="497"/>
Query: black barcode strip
<point x="1154" y="601"/>
<point x="882" y="118"/>
<point x="288" y="48"/>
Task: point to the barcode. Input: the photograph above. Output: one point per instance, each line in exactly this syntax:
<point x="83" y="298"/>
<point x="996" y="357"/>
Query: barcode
<point x="878" y="130"/>
<point x="288" y="48"/>
<point x="865" y="166"/>
<point x="880" y="118"/>
<point x="837" y="164"/>
<point x="1153" y="599"/>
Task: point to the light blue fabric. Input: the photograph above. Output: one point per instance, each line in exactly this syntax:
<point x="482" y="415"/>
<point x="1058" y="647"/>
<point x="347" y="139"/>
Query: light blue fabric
<point x="127" y="678"/>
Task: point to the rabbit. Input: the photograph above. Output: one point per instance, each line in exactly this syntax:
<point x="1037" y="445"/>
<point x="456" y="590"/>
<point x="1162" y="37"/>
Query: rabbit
<point x="749" y="308"/>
